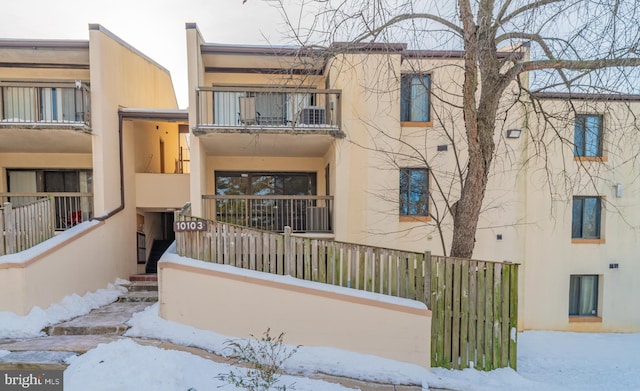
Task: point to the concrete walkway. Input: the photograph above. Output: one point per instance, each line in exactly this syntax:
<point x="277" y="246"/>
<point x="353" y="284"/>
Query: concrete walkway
<point x="108" y="324"/>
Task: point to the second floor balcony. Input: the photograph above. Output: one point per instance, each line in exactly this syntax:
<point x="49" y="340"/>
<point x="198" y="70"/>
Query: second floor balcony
<point x="46" y="104"/>
<point x="268" y="109"/>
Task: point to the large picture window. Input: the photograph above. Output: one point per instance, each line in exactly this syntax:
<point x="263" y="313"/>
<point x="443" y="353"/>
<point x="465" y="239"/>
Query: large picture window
<point x="265" y="183"/>
<point x="414" y="95"/>
<point x="414" y="192"/>
<point x="588" y="136"/>
<point x="270" y="200"/>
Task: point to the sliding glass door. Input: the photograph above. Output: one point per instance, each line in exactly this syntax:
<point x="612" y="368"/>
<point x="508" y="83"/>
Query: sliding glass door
<point x="271" y="210"/>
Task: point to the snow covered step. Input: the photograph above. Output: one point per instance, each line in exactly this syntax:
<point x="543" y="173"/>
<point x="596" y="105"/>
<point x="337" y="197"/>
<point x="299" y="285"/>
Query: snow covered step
<point x="144" y="296"/>
<point x="109" y="319"/>
<point x="38" y="359"/>
<point x="137" y="286"/>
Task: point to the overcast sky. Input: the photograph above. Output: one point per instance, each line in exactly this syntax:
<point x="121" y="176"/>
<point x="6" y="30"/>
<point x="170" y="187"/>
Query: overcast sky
<point x="155" y="27"/>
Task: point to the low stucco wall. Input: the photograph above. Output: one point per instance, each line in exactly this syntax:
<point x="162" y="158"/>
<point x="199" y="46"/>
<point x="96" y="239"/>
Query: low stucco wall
<point x="240" y="303"/>
<point x="78" y="261"/>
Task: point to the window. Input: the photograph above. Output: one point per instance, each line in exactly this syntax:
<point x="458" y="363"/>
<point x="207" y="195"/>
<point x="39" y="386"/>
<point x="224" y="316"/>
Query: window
<point x="588" y="136"/>
<point x="414" y="98"/>
<point x="414" y="192"/>
<point x="265" y="183"/>
<point x="269" y="210"/>
<point x="583" y="295"/>
<point x="586" y="218"/>
<point x="19" y="104"/>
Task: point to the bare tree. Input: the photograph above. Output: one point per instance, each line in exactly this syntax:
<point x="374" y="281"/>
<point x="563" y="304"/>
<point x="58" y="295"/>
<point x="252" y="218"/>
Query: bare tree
<point x="568" y="45"/>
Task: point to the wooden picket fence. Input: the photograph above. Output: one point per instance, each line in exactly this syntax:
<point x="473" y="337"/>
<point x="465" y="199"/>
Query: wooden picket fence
<point x="391" y="272"/>
<point x="473" y="303"/>
<point x="25" y="226"/>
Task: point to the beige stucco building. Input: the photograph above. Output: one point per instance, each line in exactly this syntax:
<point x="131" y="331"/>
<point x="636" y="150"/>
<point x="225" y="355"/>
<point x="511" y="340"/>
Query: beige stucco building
<point x="382" y="114"/>
<point x="362" y="145"/>
<point x="70" y="129"/>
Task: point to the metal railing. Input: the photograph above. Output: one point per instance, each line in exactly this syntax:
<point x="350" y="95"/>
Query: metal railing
<point x="255" y="108"/>
<point x="45" y="103"/>
<point x="24" y="226"/>
<point x="271" y="213"/>
<point x="68" y="209"/>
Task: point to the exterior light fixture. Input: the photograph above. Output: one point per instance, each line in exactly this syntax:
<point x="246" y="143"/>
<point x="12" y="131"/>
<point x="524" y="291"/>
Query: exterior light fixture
<point x="618" y="188"/>
<point x="514" y="133"/>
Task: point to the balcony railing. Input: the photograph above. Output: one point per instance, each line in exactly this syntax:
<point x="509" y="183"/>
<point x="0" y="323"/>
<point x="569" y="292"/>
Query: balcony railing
<point x="268" y="108"/>
<point x="45" y="103"/>
<point x="271" y="213"/>
<point x="69" y="209"/>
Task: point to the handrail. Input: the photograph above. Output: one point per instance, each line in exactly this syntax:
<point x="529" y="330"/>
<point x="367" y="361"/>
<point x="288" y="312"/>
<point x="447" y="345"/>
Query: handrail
<point x="299" y="89"/>
<point x="269" y="197"/>
<point x="303" y="213"/>
<point x="46" y="194"/>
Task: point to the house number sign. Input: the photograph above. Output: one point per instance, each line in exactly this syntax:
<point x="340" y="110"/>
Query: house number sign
<point x="179" y="226"/>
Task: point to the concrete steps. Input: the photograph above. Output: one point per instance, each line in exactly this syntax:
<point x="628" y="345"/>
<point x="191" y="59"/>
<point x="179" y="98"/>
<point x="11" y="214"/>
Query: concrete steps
<point x="109" y="319"/>
<point x="78" y="335"/>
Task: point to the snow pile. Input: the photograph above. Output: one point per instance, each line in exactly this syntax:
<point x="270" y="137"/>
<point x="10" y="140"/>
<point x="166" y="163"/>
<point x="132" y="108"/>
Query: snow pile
<point x="154" y="369"/>
<point x="307" y="360"/>
<point x="581" y="361"/>
<point x="15" y="326"/>
<point x="549" y="360"/>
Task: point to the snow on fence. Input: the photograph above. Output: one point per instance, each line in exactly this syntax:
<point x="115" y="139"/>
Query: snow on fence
<point x="25" y="226"/>
<point x="474" y="303"/>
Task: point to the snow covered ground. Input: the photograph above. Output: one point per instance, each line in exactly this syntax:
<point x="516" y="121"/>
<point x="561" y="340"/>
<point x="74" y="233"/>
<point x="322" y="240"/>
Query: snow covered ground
<point x="546" y="360"/>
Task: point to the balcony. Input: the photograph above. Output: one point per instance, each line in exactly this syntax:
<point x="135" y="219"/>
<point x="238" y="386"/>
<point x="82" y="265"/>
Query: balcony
<point x="272" y="213"/>
<point x="69" y="208"/>
<point x="303" y="110"/>
<point x="37" y="105"/>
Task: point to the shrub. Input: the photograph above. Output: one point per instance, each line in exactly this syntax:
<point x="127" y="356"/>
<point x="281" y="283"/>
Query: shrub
<point x="263" y="359"/>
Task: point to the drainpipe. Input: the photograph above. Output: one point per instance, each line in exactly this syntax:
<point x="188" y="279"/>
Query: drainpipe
<point x="121" y="157"/>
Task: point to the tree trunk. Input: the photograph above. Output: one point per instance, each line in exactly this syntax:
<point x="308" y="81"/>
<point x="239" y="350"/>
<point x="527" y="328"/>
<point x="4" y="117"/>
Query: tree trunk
<point x="479" y="118"/>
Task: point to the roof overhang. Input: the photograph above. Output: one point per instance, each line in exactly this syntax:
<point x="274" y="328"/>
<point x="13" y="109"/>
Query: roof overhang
<point x="174" y="115"/>
<point x="29" y="53"/>
<point x="262" y="59"/>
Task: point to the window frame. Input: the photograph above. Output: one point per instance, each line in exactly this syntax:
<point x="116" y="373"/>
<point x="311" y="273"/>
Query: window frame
<point x="576" y="300"/>
<point x="580" y="146"/>
<point x="581" y="238"/>
<point x="404" y="192"/>
<point x="248" y="188"/>
<point x="406" y="101"/>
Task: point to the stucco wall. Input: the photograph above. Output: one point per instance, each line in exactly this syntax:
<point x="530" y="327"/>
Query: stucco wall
<point x="242" y="303"/>
<point x="84" y="261"/>
<point x="120" y="77"/>
<point x="162" y="190"/>
<point x="367" y="162"/>
<point x="552" y="255"/>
